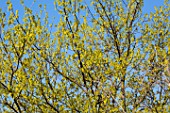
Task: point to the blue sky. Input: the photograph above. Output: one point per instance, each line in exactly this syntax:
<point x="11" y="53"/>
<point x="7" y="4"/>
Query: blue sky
<point x="148" y="5"/>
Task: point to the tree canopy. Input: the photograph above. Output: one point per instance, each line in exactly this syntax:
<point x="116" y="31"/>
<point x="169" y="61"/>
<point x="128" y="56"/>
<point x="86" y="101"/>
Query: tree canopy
<point x="102" y="56"/>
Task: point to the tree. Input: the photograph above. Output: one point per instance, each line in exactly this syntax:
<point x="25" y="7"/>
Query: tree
<point x="104" y="57"/>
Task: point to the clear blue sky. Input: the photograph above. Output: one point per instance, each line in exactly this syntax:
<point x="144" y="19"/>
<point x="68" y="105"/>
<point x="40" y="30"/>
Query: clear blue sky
<point x="148" y="5"/>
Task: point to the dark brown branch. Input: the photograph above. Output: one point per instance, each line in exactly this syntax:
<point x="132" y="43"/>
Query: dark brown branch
<point x="130" y="26"/>
<point x="78" y="52"/>
<point x="81" y="66"/>
<point x="113" y="30"/>
<point x="48" y="103"/>
<point x="18" y="106"/>
<point x="68" y="78"/>
<point x="11" y="107"/>
<point x="19" y="55"/>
